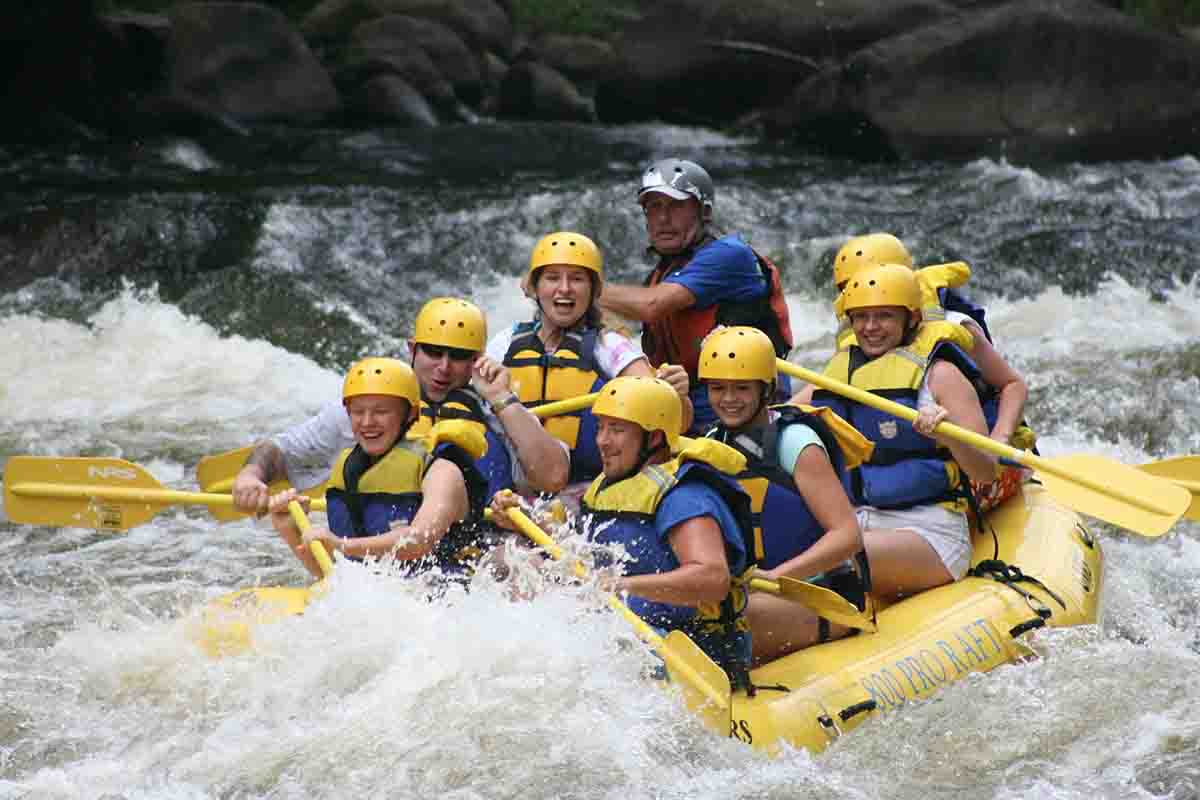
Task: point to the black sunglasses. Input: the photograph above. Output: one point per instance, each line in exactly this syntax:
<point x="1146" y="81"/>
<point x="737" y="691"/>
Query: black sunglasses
<point x="456" y="353"/>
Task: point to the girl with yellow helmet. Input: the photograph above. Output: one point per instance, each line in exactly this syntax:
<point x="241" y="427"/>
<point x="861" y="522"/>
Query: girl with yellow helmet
<point x="912" y="494"/>
<point x="391" y="496"/>
<point x="796" y="459"/>
<point x="565" y="350"/>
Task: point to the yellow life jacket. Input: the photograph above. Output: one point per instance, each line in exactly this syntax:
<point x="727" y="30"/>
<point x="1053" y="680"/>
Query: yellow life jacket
<point x="931" y="279"/>
<point x="538" y="377"/>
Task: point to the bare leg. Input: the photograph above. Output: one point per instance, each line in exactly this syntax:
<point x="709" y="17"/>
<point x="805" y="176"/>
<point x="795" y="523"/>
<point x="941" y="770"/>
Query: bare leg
<point x="779" y="627"/>
<point x="902" y="563"/>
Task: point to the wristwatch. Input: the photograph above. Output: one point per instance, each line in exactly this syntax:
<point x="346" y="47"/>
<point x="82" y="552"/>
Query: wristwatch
<point x="505" y="403"/>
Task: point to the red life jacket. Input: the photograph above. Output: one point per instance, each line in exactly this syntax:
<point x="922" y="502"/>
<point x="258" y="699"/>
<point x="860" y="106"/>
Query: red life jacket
<point x="676" y="338"/>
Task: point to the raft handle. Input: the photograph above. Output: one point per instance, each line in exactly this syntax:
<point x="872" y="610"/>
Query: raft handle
<point x="858" y="708"/>
<point x="1025" y="627"/>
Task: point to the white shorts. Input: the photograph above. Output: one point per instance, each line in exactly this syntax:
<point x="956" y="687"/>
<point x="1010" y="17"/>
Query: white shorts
<point x="947" y="532"/>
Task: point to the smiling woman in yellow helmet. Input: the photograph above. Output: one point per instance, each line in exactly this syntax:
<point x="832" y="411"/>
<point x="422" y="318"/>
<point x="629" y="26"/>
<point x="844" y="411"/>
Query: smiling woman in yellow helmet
<point x="942" y="304"/>
<point x="911" y="495"/>
<point x="565" y="350"/>
<point x="796" y="461"/>
<point x="392" y="496"/>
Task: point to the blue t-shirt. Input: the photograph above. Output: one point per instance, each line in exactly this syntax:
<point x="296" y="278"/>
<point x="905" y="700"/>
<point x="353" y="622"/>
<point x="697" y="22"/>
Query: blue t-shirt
<point x="722" y="271"/>
<point x="686" y="501"/>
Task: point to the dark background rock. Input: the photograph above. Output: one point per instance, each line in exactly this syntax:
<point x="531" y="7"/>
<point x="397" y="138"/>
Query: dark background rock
<point x="1073" y="79"/>
<point x="450" y="55"/>
<point x="1031" y="80"/>
<point x="247" y="61"/>
<point x="391" y="99"/>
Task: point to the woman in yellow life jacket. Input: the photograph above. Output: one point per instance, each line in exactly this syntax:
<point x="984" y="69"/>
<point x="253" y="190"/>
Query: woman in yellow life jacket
<point x="943" y="304"/>
<point x="796" y="461"/>
<point x="415" y="500"/>
<point x="911" y="496"/>
<point x="565" y="350"/>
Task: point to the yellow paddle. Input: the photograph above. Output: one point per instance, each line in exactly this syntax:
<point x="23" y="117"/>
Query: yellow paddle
<point x="821" y="601"/>
<point x="101" y="493"/>
<point x="216" y="473"/>
<point x="226" y="627"/>
<point x="1100" y="487"/>
<point x="1182" y="471"/>
<point x="705" y="685"/>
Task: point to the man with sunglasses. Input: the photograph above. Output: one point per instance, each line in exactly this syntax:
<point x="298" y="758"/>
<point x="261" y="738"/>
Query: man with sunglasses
<point x="448" y="337"/>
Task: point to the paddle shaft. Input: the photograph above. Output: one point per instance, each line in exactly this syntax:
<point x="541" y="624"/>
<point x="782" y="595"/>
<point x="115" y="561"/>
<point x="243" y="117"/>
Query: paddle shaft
<point x="965" y="436"/>
<point x="157" y="497"/>
<point x="647" y="634"/>
<point x="317" y="549"/>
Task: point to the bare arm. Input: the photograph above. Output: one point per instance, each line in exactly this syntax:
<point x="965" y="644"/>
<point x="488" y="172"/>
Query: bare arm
<point x="804" y="395"/>
<point x="1010" y="386"/>
<point x="957" y="396"/>
<point x="443" y="502"/>
<point x="264" y="465"/>
<point x="645" y="303"/>
<point x="543" y="458"/>
<point x="826" y="499"/>
<point x="703" y="572"/>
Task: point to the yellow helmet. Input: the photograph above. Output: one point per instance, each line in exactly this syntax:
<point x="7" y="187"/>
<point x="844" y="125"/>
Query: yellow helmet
<point x="567" y="248"/>
<point x="449" y="322"/>
<point x="386" y="376"/>
<point x="649" y="402"/>
<point x="868" y="250"/>
<point x="883" y="285"/>
<point x="740" y="353"/>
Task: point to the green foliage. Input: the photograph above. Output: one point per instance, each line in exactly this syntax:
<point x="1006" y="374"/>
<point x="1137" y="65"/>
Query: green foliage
<point x="579" y="17"/>
<point x="1165" y="13"/>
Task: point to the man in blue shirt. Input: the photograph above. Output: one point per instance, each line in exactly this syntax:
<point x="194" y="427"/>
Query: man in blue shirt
<point x="701" y="280"/>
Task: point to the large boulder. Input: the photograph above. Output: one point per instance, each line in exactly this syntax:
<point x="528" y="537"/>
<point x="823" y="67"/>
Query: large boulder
<point x="701" y="60"/>
<point x="369" y="57"/>
<point x="389" y="98"/>
<point x="532" y="90"/>
<point x="397" y="33"/>
<point x="247" y="61"/>
<point x="1033" y="79"/>
<point x="482" y="23"/>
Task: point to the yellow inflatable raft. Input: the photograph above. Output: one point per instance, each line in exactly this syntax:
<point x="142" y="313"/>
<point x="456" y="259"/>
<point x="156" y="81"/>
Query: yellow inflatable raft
<point x="1040" y="566"/>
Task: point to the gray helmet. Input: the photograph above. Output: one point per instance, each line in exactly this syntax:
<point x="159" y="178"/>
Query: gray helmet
<point x="679" y="179"/>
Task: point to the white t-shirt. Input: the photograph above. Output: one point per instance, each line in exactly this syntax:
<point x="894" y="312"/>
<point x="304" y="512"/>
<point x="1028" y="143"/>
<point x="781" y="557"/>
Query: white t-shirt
<point x="310" y="448"/>
<point x="614" y="352"/>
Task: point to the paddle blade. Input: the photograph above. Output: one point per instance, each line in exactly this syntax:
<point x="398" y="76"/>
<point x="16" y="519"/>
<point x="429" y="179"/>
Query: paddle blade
<point x="215" y="473"/>
<point x="226" y="627"/>
<point x="1164" y="502"/>
<point x="81" y="511"/>
<point x="826" y="603"/>
<point x="1184" y="471"/>
<point x="700" y="679"/>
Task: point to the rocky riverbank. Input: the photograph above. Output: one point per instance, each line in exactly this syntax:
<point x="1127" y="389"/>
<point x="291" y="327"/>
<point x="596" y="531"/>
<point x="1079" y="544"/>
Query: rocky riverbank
<point x="1025" y="79"/>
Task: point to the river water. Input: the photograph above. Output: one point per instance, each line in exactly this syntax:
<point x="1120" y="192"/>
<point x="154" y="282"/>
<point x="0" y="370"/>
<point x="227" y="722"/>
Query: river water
<point x="184" y="298"/>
